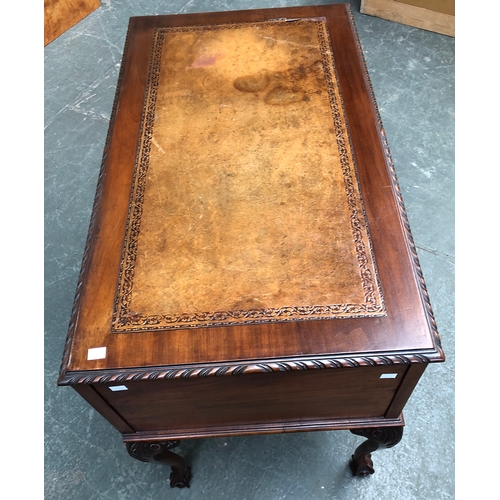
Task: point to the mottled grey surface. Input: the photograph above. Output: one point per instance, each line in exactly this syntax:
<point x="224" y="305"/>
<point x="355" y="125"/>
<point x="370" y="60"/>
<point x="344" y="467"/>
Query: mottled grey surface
<point x="412" y="72"/>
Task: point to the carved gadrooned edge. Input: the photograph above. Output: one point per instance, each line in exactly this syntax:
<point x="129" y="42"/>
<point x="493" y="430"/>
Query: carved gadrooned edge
<point x="397" y="191"/>
<point x="97" y="197"/>
<point x="220" y="369"/>
<point x="125" y="322"/>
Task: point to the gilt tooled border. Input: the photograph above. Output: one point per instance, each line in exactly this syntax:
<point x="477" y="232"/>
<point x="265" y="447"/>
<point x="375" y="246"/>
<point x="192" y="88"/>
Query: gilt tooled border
<point x="339" y="114"/>
<point x="397" y="190"/>
<point x="124" y="322"/>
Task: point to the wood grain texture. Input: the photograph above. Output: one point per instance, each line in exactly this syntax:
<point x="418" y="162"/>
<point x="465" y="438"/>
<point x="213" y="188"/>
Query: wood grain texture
<point x="93" y="397"/>
<point x="413" y="13"/>
<point x="266" y="402"/>
<point x="60" y="15"/>
<point x="444" y="6"/>
<point x="239" y="402"/>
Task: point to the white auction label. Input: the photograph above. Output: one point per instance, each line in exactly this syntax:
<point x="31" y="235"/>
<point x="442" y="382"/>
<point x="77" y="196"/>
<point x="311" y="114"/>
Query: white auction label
<point x="115" y="388"/>
<point x="96" y="353"/>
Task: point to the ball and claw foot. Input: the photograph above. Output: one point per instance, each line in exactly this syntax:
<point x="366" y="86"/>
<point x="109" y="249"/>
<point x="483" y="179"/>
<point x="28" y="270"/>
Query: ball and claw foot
<point x="363" y="465"/>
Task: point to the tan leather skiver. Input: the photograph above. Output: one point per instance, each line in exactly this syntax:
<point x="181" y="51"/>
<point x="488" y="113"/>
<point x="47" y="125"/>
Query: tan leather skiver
<point x="245" y="205"/>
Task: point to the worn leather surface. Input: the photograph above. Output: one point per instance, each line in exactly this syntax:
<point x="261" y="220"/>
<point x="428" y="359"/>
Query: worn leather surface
<point x="245" y="205"/>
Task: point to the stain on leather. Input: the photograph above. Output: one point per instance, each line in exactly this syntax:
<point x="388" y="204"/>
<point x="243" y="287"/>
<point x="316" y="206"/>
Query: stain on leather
<point x="252" y="83"/>
<point x="285" y="87"/>
<point x="283" y="95"/>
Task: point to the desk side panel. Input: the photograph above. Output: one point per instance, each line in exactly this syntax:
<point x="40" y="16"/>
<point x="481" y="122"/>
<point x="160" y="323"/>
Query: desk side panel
<point x="100" y="404"/>
<point x="183" y="405"/>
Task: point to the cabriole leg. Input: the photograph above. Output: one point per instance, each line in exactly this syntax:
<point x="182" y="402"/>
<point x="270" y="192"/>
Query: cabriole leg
<point x="159" y="451"/>
<point x="383" y="437"/>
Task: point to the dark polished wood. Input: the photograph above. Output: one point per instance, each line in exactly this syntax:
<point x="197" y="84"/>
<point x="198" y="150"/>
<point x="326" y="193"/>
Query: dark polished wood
<point x="343" y="342"/>
<point x="159" y="452"/>
<point x="385" y="437"/>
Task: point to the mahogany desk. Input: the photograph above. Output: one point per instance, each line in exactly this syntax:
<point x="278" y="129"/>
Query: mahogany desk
<point x="249" y="267"/>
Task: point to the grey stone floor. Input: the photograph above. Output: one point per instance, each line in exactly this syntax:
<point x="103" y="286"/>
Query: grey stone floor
<point x="412" y="73"/>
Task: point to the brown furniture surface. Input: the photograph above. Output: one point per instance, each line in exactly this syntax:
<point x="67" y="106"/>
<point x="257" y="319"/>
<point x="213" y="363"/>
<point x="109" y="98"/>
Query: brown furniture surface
<point x="249" y="266"/>
<point x="430" y="15"/>
<point x="61" y="15"/>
